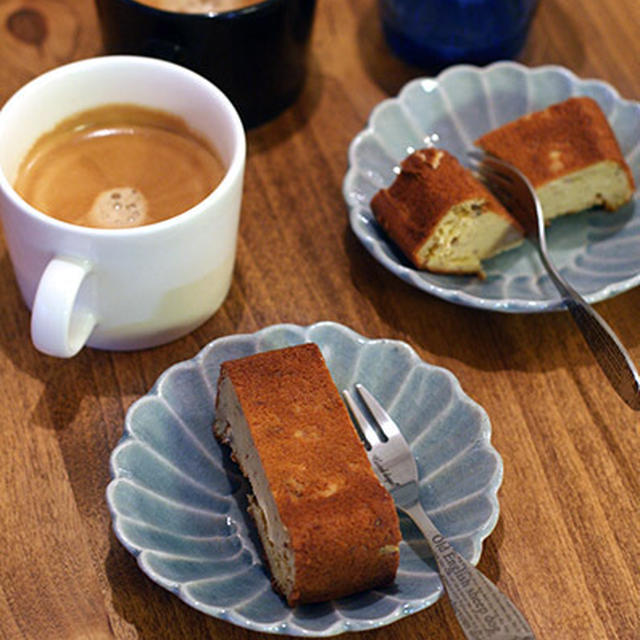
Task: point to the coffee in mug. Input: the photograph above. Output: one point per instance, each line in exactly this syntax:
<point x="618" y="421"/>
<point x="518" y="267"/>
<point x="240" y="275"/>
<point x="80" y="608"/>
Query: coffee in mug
<point x="118" y="166"/>
<point x="200" y="6"/>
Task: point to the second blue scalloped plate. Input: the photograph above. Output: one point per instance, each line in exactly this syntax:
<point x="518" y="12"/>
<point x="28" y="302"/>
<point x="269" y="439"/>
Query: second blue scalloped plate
<point x="598" y="252"/>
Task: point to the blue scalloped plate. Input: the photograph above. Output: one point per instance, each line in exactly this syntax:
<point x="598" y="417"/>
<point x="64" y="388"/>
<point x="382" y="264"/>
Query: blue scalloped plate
<point x="598" y="252"/>
<point x="178" y="503"/>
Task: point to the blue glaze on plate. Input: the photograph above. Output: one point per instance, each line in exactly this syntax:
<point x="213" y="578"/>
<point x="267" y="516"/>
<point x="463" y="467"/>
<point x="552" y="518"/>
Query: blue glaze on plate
<point x="178" y="503"/>
<point x="598" y="252"/>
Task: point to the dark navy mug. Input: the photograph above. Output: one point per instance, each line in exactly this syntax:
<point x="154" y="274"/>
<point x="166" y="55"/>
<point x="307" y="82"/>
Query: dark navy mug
<point x="256" y="55"/>
<point x="436" y="33"/>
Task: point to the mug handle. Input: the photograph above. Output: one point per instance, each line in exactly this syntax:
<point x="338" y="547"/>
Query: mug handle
<point x="57" y="328"/>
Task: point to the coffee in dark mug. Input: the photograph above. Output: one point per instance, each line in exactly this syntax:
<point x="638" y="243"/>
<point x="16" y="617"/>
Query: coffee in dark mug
<point x="200" y="6"/>
<point x="256" y="54"/>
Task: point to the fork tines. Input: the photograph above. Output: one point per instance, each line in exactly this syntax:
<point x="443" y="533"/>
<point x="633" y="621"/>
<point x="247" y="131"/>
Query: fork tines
<point x="383" y="420"/>
<point x="510" y="186"/>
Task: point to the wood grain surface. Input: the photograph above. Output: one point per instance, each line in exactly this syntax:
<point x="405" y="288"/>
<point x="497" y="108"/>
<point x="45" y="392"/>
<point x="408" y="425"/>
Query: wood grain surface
<point x="567" y="545"/>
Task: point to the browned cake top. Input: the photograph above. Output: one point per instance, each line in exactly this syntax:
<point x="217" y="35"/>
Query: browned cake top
<point x="431" y="181"/>
<point x="326" y="492"/>
<point x="558" y="140"/>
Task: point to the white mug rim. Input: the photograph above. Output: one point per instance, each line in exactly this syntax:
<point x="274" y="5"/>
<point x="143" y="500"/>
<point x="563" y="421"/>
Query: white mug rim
<point x="233" y="172"/>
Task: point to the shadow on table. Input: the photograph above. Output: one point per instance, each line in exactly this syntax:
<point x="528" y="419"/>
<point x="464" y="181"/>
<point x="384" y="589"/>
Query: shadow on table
<point x="64" y="382"/>
<point x="481" y="339"/>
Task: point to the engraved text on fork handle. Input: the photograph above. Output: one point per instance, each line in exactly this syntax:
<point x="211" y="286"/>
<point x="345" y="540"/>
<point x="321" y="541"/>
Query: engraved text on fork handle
<point x="483" y="611"/>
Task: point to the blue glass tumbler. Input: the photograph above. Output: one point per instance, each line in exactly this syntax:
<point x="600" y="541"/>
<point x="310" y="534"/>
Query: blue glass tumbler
<point x="437" y="33"/>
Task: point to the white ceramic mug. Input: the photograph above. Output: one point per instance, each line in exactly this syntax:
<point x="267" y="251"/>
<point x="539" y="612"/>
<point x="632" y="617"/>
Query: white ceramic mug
<point x="131" y="288"/>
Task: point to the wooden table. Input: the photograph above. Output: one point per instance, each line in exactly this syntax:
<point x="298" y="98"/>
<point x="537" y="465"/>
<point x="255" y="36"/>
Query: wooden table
<point x="567" y="545"/>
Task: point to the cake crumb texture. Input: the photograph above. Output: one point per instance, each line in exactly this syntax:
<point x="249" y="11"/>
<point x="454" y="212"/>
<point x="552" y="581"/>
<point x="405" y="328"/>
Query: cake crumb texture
<point x="441" y="217"/>
<point x="342" y="522"/>
<point x="560" y="140"/>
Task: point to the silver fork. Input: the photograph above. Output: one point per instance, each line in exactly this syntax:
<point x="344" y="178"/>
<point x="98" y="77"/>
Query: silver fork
<point x="519" y="196"/>
<point x="483" y="611"/>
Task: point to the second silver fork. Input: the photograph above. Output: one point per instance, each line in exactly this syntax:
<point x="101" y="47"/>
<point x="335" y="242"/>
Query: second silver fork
<point x="519" y="196"/>
<point x="483" y="611"/>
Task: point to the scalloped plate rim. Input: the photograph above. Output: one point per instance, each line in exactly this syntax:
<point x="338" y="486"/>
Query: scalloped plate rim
<point x="490" y="491"/>
<point x="411" y="275"/>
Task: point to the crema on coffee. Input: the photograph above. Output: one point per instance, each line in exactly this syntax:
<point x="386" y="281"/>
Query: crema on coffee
<point x="118" y="166"/>
<point x="200" y="6"/>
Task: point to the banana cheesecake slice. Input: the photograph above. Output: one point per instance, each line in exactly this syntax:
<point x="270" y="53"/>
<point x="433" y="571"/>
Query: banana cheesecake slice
<point x="443" y="218"/>
<point x="570" y="155"/>
<point x="327" y="525"/>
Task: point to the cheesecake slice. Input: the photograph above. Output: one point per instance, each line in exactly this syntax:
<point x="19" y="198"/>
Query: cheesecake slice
<point x="441" y="217"/>
<point x="570" y="155"/>
<point x="327" y="525"/>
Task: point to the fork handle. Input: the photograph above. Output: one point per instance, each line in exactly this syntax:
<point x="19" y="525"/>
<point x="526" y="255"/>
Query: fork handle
<point x="483" y="611"/>
<point x="607" y="349"/>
